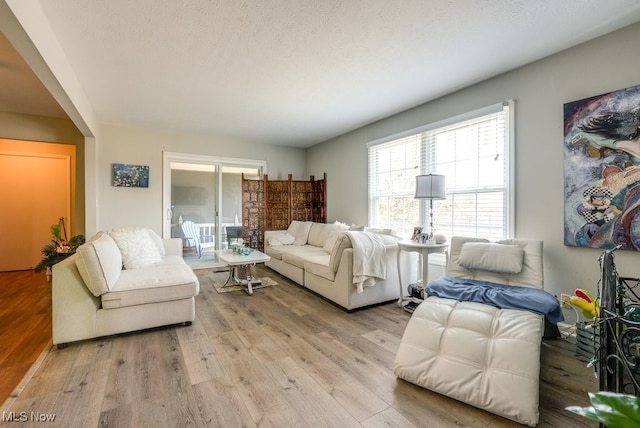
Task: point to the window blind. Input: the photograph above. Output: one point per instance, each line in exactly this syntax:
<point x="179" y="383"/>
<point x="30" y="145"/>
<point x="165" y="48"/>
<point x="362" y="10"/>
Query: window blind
<point x="473" y="152"/>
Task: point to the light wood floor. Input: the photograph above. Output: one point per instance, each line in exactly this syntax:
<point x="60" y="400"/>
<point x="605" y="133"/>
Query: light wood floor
<point x="282" y="357"/>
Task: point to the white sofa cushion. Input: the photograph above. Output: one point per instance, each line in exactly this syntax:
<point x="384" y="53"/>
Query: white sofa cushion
<point x="492" y="257"/>
<point x="274" y="252"/>
<point x="300" y="230"/>
<point x="330" y="243"/>
<point x="334" y="230"/>
<point x="99" y="263"/>
<point x="137" y="246"/>
<point x="296" y="255"/>
<point x="318" y="234"/>
<point x="152" y="284"/>
<point x="475" y="353"/>
<point x="172" y="260"/>
<point x="319" y="265"/>
<point x="342" y="242"/>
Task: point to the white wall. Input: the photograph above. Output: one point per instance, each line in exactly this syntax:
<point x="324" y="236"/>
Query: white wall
<point x="540" y="90"/>
<point x="119" y="206"/>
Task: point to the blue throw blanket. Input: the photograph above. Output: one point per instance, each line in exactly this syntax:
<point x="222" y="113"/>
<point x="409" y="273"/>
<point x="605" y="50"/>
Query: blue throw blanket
<point x="498" y="295"/>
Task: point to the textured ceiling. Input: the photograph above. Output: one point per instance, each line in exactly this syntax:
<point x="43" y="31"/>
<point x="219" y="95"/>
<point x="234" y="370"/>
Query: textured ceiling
<point x="298" y="72"/>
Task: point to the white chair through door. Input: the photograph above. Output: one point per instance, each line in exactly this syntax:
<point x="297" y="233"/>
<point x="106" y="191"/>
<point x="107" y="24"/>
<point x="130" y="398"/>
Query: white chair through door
<point x="193" y="239"/>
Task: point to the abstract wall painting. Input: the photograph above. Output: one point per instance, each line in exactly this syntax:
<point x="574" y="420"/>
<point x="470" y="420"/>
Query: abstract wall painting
<point x="602" y="171"/>
<point x="125" y="175"/>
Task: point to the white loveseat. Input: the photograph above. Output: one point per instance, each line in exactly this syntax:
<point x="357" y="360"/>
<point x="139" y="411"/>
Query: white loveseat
<point x="93" y="295"/>
<point x="320" y="257"/>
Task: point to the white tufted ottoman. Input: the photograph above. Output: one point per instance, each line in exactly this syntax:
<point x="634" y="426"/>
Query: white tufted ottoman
<point x="475" y="353"/>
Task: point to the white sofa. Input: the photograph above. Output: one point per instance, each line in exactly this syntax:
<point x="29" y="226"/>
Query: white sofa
<point x="319" y="256"/>
<point x="93" y="295"/>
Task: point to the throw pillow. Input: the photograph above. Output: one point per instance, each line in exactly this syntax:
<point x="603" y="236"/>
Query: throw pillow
<point x="137" y="247"/>
<point x="158" y="241"/>
<point x="99" y="263"/>
<point x="282" y="239"/>
<point x="330" y="242"/>
<point x="318" y="234"/>
<point x="332" y="231"/>
<point x="341" y="225"/>
<point x="300" y="230"/>
<point x="492" y="257"/>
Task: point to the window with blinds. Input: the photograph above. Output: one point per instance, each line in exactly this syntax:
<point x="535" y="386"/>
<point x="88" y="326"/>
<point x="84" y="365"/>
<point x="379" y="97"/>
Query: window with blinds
<point x="473" y="152"/>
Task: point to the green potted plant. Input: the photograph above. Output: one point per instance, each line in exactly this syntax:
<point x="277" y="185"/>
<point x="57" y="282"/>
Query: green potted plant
<point x="58" y="249"/>
<point x="611" y="409"/>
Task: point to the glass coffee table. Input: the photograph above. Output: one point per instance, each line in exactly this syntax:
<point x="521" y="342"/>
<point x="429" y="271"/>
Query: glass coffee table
<point x="242" y="268"/>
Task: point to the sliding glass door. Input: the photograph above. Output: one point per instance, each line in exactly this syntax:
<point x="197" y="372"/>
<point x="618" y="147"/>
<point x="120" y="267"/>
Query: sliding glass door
<point x="194" y="206"/>
<point x="202" y="197"/>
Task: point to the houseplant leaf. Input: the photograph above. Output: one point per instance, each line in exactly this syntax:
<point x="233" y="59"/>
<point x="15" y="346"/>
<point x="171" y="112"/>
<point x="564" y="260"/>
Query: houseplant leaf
<point x="587" y="412"/>
<point x="58" y="249"/>
<point x="617" y="410"/>
<point x="612" y="409"/>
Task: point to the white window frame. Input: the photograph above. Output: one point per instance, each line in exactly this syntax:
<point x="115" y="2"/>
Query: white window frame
<point x="422" y="167"/>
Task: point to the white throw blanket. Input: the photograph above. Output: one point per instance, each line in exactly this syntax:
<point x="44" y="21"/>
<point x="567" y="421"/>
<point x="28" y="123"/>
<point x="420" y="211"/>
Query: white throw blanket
<point x="369" y="264"/>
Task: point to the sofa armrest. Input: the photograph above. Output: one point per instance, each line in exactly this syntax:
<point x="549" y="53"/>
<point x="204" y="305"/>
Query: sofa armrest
<point x="172" y="246"/>
<point x="73" y="306"/>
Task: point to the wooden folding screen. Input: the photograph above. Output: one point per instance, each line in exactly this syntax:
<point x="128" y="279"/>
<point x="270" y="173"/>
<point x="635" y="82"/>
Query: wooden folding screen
<point x="273" y="204"/>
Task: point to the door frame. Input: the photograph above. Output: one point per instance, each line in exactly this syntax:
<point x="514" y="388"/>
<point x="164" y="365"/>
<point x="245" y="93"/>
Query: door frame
<point x="169" y="157"/>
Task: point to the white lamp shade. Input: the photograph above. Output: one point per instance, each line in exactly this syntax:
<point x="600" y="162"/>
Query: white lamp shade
<point x="430" y="186"/>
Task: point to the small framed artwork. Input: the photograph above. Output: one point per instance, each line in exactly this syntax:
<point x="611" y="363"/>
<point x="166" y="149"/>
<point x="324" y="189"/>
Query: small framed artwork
<point x="417" y="231"/>
<point x="125" y="175"/>
<point x="425" y="238"/>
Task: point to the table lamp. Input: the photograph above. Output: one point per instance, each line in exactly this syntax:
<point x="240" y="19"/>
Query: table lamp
<point x="430" y="186"/>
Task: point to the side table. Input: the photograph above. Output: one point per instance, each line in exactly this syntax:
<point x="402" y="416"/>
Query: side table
<point x="424" y="250"/>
